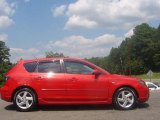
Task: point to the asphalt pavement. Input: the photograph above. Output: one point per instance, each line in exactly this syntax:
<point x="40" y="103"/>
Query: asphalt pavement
<point x="146" y="111"/>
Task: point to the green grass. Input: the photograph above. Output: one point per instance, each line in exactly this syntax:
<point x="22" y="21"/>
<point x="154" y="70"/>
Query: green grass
<point x="144" y="76"/>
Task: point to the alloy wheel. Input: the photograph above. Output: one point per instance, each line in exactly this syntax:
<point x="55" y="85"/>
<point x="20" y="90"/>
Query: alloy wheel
<point x="24" y="100"/>
<point x="125" y="99"/>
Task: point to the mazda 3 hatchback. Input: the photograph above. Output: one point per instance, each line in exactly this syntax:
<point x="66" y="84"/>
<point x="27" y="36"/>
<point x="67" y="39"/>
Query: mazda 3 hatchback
<point x="69" y="81"/>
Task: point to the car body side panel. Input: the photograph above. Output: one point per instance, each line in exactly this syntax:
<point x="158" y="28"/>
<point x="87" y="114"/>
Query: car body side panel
<point x="59" y="89"/>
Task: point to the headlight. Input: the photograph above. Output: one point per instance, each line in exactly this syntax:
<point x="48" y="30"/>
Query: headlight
<point x="142" y="82"/>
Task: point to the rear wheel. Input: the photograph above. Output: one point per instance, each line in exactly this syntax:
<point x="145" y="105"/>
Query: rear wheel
<point x="25" y="100"/>
<point x="125" y="98"/>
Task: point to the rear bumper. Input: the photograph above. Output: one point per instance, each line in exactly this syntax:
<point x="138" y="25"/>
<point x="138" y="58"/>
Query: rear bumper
<point x="5" y="94"/>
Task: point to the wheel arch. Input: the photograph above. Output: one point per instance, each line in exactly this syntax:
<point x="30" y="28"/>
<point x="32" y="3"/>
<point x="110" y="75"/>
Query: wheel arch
<point x="24" y="86"/>
<point x="127" y="86"/>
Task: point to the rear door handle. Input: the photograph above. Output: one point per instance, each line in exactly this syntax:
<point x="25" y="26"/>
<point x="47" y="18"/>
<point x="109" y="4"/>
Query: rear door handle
<point x="73" y="79"/>
<point x="39" y="77"/>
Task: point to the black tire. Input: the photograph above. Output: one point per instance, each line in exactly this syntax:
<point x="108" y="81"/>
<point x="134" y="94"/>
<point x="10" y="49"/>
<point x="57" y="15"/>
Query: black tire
<point x="25" y="103"/>
<point x="125" y="103"/>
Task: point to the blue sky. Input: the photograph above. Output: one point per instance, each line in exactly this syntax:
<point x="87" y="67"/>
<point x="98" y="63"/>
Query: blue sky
<point x="77" y="28"/>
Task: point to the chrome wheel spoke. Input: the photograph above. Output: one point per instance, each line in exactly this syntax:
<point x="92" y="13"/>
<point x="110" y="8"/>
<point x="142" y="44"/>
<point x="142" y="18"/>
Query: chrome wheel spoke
<point x="123" y="94"/>
<point x="25" y="94"/>
<point x="19" y="97"/>
<point x="129" y="95"/>
<point x="21" y="104"/>
<point x="130" y="100"/>
<point x="125" y="103"/>
<point x="27" y="104"/>
<point x="120" y="99"/>
<point x="29" y="98"/>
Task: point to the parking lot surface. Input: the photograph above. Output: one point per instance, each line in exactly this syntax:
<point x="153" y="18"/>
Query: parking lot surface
<point x="146" y="111"/>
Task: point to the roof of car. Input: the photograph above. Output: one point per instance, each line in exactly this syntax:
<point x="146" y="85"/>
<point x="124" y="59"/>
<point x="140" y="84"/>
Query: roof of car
<point x="54" y="58"/>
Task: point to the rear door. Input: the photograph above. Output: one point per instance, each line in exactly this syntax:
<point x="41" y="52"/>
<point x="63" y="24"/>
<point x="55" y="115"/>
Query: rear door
<point x="50" y="80"/>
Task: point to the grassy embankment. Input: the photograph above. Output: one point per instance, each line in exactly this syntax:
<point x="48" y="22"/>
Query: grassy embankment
<point x="145" y="77"/>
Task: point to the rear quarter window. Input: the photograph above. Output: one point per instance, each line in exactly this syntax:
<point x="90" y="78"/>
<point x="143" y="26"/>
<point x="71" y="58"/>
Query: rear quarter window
<point x="30" y="67"/>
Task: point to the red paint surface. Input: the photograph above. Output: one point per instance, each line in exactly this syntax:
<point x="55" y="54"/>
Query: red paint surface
<point x="64" y="88"/>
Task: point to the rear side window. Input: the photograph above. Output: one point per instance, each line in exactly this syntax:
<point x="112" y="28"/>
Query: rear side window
<point x="30" y="67"/>
<point x="49" y="66"/>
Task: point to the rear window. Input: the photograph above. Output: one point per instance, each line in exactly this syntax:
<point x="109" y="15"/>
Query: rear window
<point x="30" y="67"/>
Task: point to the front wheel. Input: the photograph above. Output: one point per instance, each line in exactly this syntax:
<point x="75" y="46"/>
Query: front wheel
<point x="25" y="100"/>
<point x="125" y="98"/>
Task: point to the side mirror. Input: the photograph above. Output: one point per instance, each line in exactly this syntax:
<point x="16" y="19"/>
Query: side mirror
<point x="96" y="73"/>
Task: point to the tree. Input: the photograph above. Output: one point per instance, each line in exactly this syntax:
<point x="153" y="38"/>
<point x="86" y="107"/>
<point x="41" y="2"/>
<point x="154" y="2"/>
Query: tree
<point x="51" y="54"/>
<point x="137" y="54"/>
<point x="4" y="52"/>
<point x="156" y="45"/>
<point x="4" y="61"/>
<point x="99" y="61"/>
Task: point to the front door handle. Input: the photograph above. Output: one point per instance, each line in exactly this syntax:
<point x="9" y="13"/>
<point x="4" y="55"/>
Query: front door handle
<point x="73" y="79"/>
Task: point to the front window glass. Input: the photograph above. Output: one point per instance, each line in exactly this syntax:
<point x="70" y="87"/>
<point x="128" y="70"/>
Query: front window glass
<point x="73" y="67"/>
<point x="49" y="66"/>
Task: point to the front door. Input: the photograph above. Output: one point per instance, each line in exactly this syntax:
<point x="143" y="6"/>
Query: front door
<point x="82" y="84"/>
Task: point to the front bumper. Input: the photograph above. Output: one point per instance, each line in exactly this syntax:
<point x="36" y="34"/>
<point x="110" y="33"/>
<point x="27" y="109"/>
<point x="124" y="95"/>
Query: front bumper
<point x="144" y="94"/>
<point x="0" y="93"/>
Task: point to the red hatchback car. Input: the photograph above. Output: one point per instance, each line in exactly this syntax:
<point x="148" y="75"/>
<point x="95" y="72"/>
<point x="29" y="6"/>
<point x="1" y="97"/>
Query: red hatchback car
<point x="69" y="81"/>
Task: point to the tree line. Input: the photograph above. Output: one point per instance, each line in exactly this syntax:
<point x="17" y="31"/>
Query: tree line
<point x="135" y="55"/>
<point x="5" y="63"/>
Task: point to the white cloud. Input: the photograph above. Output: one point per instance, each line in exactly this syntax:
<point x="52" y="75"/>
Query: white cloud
<point x="18" y="53"/>
<point x="72" y="46"/>
<point x="59" y="10"/>
<point x="3" y="37"/>
<point x="6" y="8"/>
<point x="74" y="21"/>
<point x="111" y="13"/>
<point x="6" y="11"/>
<point x="129" y="33"/>
<point x="79" y="46"/>
<point x="5" y="21"/>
